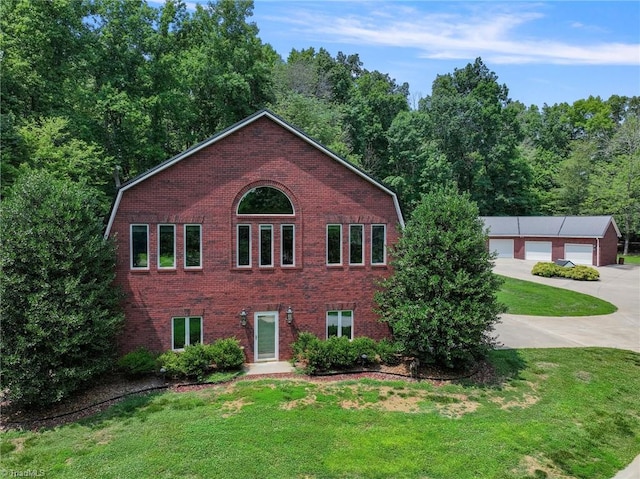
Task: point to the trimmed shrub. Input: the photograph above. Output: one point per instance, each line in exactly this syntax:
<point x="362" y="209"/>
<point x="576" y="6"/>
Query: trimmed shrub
<point x="546" y="270"/>
<point x="364" y="346"/>
<point x="227" y="354"/>
<point x="388" y="352"/>
<point x="341" y="353"/>
<point x="585" y="273"/>
<point x="197" y="360"/>
<point x="172" y="363"/>
<point x="305" y="341"/>
<point x="579" y="272"/>
<point x="139" y="362"/>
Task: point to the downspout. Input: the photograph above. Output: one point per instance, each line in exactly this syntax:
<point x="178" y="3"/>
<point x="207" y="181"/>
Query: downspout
<point x="597" y="251"/>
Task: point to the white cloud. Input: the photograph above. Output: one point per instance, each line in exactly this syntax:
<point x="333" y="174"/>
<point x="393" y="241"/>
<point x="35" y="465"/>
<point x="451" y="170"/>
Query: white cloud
<point x="492" y="31"/>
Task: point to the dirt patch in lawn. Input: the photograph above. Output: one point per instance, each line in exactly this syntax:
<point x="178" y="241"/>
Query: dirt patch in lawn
<point x="110" y="389"/>
<point x="391" y="399"/>
<point x="539" y="467"/>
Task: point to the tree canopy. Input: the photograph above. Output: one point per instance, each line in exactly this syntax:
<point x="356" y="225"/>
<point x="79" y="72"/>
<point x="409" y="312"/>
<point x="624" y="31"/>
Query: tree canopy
<point x="88" y="85"/>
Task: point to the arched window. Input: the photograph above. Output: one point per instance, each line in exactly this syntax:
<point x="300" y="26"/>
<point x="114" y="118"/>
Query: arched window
<point x="265" y="200"/>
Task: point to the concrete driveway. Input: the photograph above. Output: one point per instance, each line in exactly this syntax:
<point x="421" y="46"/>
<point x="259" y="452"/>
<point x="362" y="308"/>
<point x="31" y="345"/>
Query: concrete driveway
<point x="619" y="284"/>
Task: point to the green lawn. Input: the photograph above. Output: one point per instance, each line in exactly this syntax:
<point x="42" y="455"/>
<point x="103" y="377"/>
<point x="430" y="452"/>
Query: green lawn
<point x="535" y="299"/>
<point x="632" y="259"/>
<point x="551" y="413"/>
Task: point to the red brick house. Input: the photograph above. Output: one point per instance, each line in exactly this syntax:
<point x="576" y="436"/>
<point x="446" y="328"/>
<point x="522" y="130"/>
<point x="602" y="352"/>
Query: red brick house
<point x="589" y="240"/>
<point x="259" y="233"/>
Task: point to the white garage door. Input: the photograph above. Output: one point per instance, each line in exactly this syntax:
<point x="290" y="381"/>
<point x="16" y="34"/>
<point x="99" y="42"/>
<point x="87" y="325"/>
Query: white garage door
<point x="537" y="250"/>
<point x="579" y="253"/>
<point x="504" y="247"/>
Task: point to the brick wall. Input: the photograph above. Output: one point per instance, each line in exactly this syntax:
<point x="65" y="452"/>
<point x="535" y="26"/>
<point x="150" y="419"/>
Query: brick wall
<point x="205" y="189"/>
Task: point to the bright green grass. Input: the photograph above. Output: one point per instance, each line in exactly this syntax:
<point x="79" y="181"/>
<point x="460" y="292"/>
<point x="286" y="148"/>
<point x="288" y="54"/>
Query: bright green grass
<point x="535" y="299"/>
<point x="632" y="259"/>
<point x="552" y="413"/>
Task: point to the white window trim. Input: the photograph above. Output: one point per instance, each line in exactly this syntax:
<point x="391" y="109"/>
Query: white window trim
<point x="384" y="245"/>
<point x="138" y="268"/>
<point x="186" y="331"/>
<point x="173" y="266"/>
<point x="293" y="227"/>
<point x="327" y="245"/>
<point x="184" y="246"/>
<point x="339" y="311"/>
<point x="361" y="263"/>
<point x="262" y="228"/>
<point x="238" y="265"/>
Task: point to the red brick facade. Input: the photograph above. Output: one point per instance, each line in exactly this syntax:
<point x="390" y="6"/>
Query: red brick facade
<point x="203" y="186"/>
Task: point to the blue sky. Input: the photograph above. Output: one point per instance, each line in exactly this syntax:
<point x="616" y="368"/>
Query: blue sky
<point x="545" y="52"/>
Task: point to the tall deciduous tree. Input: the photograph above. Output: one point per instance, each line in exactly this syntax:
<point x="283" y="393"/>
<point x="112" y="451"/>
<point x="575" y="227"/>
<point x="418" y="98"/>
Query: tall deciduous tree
<point x="478" y="131"/>
<point x="615" y="183"/>
<point x="60" y="311"/>
<point x="440" y="302"/>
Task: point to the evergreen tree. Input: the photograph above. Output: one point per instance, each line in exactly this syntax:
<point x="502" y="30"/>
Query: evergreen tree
<point x="440" y="303"/>
<point x="60" y="311"/>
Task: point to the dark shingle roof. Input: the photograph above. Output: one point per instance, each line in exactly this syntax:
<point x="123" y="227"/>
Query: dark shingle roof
<point x="549" y="226"/>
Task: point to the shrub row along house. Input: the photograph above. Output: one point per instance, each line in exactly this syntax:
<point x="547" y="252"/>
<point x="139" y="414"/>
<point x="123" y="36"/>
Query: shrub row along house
<point x="258" y="232"/>
<point x="589" y="240"/>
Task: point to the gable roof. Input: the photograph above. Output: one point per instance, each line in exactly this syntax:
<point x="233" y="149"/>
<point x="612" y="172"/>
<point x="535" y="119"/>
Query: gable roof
<point x="549" y="226"/>
<point x="232" y="129"/>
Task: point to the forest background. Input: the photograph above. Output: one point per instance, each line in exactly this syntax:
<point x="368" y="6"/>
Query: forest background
<point x="91" y="86"/>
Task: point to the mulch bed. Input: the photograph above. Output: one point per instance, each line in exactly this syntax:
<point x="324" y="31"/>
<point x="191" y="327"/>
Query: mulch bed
<point x="113" y="388"/>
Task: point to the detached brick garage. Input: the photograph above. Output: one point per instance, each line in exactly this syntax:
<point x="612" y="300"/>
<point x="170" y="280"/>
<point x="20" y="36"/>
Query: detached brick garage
<point x="590" y="240"/>
<point x="259" y="233"/>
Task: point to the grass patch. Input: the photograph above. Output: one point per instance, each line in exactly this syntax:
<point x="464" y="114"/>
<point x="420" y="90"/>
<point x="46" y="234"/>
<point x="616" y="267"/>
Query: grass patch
<point x="631" y="258"/>
<point x="549" y="413"/>
<point x="535" y="299"/>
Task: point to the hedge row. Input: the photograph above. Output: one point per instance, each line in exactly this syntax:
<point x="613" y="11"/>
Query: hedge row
<point x="338" y="353"/>
<point x="579" y="272"/>
<point x="195" y="361"/>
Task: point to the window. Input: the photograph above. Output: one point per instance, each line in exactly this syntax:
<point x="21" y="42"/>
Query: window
<point x="185" y="331"/>
<point x="378" y="244"/>
<point x="139" y="246"/>
<point x="265" y="200"/>
<point x="356" y="251"/>
<point x="340" y="323"/>
<point x="287" y="245"/>
<point x="266" y="245"/>
<point x="244" y="246"/>
<point x="192" y="246"/>
<point x="166" y="246"/>
<point x="334" y="244"/>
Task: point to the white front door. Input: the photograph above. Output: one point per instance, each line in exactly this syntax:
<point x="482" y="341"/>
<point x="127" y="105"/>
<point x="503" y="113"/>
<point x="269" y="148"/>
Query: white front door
<point x="537" y="250"/>
<point x="266" y="336"/>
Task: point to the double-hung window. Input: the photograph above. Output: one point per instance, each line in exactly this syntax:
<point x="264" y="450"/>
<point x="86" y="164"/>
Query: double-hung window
<point x="334" y="244"/>
<point x="139" y="246"/>
<point x="356" y="243"/>
<point x="340" y="323"/>
<point x="378" y="244"/>
<point x="192" y="246"/>
<point x="185" y="331"/>
<point x="166" y="246"/>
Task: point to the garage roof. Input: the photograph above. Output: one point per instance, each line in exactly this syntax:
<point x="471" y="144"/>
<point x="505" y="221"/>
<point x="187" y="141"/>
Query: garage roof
<point x="549" y="226"/>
